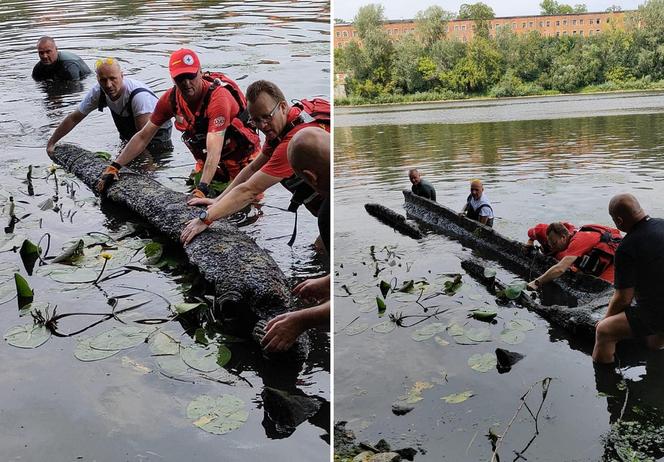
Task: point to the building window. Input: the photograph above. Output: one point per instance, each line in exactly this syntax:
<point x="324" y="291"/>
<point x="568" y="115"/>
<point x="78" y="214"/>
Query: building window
<point x="513" y="25"/>
<point x="580" y="21"/>
<point x="557" y="23"/>
<point x="456" y="27"/>
<point x="345" y="34"/>
<point x="573" y="32"/>
<point x="581" y="33"/>
<point x="523" y="25"/>
<point x="548" y="23"/>
<point x="541" y="23"/>
<point x="338" y="34"/>
<point x="564" y="22"/>
<point x="598" y="21"/>
<point x="574" y="22"/>
<point x="463" y="27"/>
<point x="557" y="34"/>
<point x="530" y="24"/>
<point x="464" y="39"/>
<point x="396" y="31"/>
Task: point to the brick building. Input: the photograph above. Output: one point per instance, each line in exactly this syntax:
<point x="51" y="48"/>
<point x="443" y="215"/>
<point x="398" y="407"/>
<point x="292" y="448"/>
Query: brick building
<point x="584" y="24"/>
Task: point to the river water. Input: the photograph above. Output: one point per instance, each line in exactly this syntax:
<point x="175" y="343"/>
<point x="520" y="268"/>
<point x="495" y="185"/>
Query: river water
<point x="55" y="407"/>
<point x="547" y="167"/>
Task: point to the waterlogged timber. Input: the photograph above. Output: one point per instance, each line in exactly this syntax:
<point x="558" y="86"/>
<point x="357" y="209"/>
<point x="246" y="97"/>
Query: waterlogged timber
<point x="393" y="219"/>
<point x="249" y="286"/>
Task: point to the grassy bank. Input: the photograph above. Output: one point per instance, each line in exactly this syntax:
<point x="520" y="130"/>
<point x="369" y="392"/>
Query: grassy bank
<point x="496" y="93"/>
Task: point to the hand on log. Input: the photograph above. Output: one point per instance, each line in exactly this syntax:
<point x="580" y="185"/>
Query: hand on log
<point x="194" y="228"/>
<point x="108" y="176"/>
<point x="313" y="289"/>
<point x="50" y="149"/>
<point x="198" y="194"/>
<point x="282" y="331"/>
<point x="200" y="201"/>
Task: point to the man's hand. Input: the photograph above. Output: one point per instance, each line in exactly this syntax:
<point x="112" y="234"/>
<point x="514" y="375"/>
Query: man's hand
<point x="194" y="228"/>
<point x="108" y="176"/>
<point x="313" y="289"/>
<point x="50" y="149"/>
<point x="534" y="284"/>
<point x="198" y="194"/>
<point x="282" y="331"/>
<point x="200" y="201"/>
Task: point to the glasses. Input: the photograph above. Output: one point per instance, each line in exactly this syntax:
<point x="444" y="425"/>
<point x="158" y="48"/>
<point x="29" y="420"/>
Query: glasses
<point x="100" y="62"/>
<point x="182" y="77"/>
<point x="262" y="120"/>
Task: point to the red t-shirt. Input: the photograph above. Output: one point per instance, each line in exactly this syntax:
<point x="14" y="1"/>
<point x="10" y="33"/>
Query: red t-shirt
<point x="220" y="111"/>
<point x="278" y="165"/>
<point x="581" y="244"/>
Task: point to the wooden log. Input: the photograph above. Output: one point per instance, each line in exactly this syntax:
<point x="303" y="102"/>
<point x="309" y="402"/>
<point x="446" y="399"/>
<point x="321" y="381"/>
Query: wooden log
<point x="393" y="219"/>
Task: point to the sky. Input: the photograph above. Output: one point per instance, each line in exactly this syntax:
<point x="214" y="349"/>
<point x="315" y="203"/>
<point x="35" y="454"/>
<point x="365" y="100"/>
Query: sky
<point x="399" y="9"/>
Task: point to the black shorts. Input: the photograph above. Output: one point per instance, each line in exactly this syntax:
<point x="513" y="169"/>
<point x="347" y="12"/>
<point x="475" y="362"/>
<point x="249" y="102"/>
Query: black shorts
<point x="645" y="321"/>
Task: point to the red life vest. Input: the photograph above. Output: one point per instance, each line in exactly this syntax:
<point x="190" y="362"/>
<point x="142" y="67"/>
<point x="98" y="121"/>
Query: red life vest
<point x="241" y="139"/>
<point x="601" y="256"/>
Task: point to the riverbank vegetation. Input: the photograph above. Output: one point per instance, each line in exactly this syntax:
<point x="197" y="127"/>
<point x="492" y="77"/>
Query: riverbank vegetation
<point x="429" y="66"/>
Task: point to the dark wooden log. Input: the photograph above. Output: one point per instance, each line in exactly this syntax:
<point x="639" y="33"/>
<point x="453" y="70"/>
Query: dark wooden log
<point x="393" y="219"/>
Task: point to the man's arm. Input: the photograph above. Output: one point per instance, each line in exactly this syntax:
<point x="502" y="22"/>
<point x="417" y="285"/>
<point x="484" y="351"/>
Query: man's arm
<point x="620" y="300"/>
<point x="282" y="331"/>
<point x="483" y="220"/>
<point x="141" y="119"/>
<point x="214" y="142"/>
<point x="137" y="143"/>
<point x="554" y="272"/>
<point x="65" y="127"/>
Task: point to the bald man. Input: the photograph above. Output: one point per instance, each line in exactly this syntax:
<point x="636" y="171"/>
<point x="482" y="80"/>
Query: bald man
<point x="309" y="156"/>
<point x="131" y="103"/>
<point x="477" y="205"/>
<point x="57" y="65"/>
<point x="639" y="272"/>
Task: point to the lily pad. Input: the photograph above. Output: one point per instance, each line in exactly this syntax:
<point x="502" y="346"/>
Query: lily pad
<point x="428" y="331"/>
<point x="172" y="366"/>
<point x="384" y="327"/>
<point x="513" y="290"/>
<point x="464" y="340"/>
<point x="120" y="338"/>
<point x="512" y="336"/>
<point x="483" y="315"/>
<point x="201" y="358"/>
<point x="521" y="324"/>
<point x="455" y="330"/>
<point x="453" y="286"/>
<point x="23" y="291"/>
<point x="457" y="398"/>
<point x="223" y="355"/>
<point x="164" y="343"/>
<point x="380" y="303"/>
<point x="356" y="328"/>
<point x="84" y="352"/>
<point x="75" y="275"/>
<point x="489" y="272"/>
<point x="27" y="336"/>
<point x="482" y="362"/>
<point x="182" y="308"/>
<point x="415" y="393"/>
<point x="407" y="286"/>
<point x="478" y="334"/>
<point x="385" y="288"/>
<point x="153" y="252"/>
<point x="218" y="415"/>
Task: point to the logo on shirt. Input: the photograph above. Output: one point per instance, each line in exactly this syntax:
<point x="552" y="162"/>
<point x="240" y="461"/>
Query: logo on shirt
<point x="219" y="121"/>
<point x="188" y="60"/>
<point x="179" y="119"/>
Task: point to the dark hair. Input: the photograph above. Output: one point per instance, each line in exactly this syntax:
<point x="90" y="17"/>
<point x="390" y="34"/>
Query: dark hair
<point x="557" y="229"/>
<point x="263" y="86"/>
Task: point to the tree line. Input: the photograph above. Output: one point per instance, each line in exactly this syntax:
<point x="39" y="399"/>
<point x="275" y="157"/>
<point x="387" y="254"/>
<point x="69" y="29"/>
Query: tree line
<point x="428" y="65"/>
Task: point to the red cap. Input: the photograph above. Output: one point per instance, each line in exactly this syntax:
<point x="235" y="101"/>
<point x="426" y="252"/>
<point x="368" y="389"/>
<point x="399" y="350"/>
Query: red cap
<point x="183" y="61"/>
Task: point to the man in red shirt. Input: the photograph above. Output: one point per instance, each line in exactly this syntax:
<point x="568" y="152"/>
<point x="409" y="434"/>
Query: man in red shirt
<point x="279" y="121"/>
<point x="576" y="251"/>
<point x="537" y="234"/>
<point x="208" y="113"/>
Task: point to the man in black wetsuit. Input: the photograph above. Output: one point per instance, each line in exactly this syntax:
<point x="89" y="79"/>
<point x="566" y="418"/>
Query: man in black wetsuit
<point x="57" y="65"/>
<point x="639" y="272"/>
<point x="421" y="187"/>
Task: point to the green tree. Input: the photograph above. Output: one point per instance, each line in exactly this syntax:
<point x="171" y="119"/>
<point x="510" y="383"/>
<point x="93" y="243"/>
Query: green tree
<point x="649" y="39"/>
<point x="478" y="70"/>
<point x="553" y="7"/>
<point x="431" y="24"/>
<point x="369" y="18"/>
<point x="405" y="70"/>
<point x="614" y="9"/>
<point x="480" y="13"/>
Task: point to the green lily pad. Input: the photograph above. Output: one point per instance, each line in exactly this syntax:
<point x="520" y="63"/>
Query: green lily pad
<point x="217" y="415"/>
<point x="164" y="343"/>
<point x="512" y="336"/>
<point x="103" y="155"/>
<point x="23" y="291"/>
<point x="120" y="338"/>
<point x="415" y="393"/>
<point x="483" y="315"/>
<point x="84" y="352"/>
<point x="457" y="398"/>
<point x="428" y="331"/>
<point x="223" y="355"/>
<point x="27" y="336"/>
<point x="153" y="252"/>
<point x="489" y="273"/>
<point x="478" y="334"/>
<point x="482" y="362"/>
<point x="172" y="366"/>
<point x="384" y="327"/>
<point x="513" y="291"/>
<point x="380" y="303"/>
<point x="464" y="340"/>
<point x="455" y="330"/>
<point x="182" y="308"/>
<point x="75" y="275"/>
<point x="453" y="286"/>
<point x="407" y="286"/>
<point x="384" y="288"/>
<point x="521" y="324"/>
<point x="356" y="328"/>
<point x="201" y="358"/>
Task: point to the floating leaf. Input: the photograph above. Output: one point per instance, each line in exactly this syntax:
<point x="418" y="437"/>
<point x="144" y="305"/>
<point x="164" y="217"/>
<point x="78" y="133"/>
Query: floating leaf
<point x="464" y="340"/>
<point x="521" y="324"/>
<point x="201" y="358"/>
<point x="457" y="398"/>
<point x="103" y="155"/>
<point x="223" y="355"/>
<point x="415" y="393"/>
<point x="453" y="286"/>
<point x="455" y="330"/>
<point x="71" y="253"/>
<point x="512" y="336"/>
<point x="385" y="288"/>
<point x="23" y="291"/>
<point x="478" y="334"/>
<point x="153" y="252"/>
<point x="381" y="306"/>
<point x="164" y="343"/>
<point x="172" y="366"/>
<point x="181" y="308"/>
<point x="483" y="315"/>
<point x="74" y="275"/>
<point x="356" y="328"/>
<point x="513" y="290"/>
<point x="218" y="415"/>
<point x="428" y="331"/>
<point x="85" y="352"/>
<point x="489" y="273"/>
<point x="482" y="362"/>
<point x="120" y="338"/>
<point x="384" y="327"/>
<point x="29" y="255"/>
<point x="441" y="341"/>
<point x="407" y="286"/>
<point x="27" y="336"/>
<point x="200" y="337"/>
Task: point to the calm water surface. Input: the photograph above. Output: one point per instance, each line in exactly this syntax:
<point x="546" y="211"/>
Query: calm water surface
<point x="55" y="407"/>
<point x="534" y="171"/>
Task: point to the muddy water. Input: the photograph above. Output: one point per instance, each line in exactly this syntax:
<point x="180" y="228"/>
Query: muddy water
<point x="55" y="407"/>
<point x="534" y="171"/>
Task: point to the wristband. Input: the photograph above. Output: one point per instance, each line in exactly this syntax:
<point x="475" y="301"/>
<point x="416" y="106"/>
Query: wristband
<point x="204" y="188"/>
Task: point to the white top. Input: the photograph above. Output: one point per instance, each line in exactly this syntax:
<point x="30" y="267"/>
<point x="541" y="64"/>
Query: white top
<point x="143" y="102"/>
<point x="485" y="211"/>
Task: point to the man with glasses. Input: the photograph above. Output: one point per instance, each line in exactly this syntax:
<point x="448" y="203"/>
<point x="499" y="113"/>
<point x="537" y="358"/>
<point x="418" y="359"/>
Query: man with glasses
<point x="279" y="121"/>
<point x="131" y="104"/>
<point x="57" y="65"/>
<point x="212" y="116"/>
